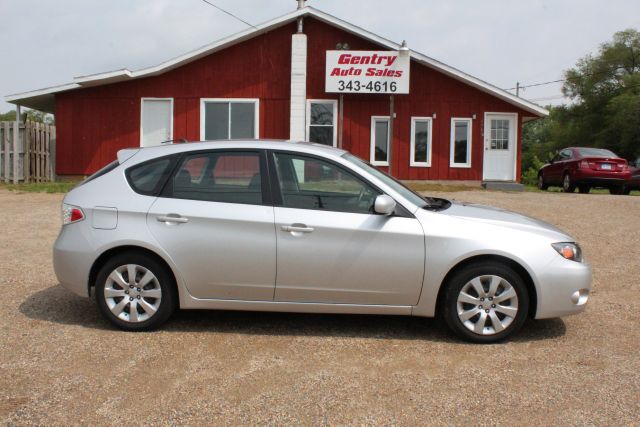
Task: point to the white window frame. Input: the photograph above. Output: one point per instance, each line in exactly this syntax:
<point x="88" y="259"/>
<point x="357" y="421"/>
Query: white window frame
<point x="335" y="118"/>
<point x="372" y="141"/>
<point x="452" y="139"/>
<point x="412" y="161"/>
<point x="142" y="99"/>
<point x="256" y="120"/>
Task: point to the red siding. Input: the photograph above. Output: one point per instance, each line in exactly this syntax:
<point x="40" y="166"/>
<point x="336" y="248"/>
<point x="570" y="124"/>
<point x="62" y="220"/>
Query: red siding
<point x="94" y="123"/>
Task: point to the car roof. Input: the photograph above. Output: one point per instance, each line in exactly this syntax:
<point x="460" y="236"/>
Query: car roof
<point x="269" y="144"/>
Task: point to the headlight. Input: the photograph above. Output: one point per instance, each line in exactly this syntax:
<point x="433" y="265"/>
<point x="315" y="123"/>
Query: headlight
<point x="570" y="251"/>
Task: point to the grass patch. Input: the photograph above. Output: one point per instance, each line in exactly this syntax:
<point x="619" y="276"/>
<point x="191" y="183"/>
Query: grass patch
<point x="44" y="187"/>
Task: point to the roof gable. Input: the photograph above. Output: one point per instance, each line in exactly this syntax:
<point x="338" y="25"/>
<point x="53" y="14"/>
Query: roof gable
<point x="43" y="99"/>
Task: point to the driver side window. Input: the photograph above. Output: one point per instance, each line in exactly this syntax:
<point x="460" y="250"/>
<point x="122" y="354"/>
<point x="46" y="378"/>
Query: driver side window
<point x="310" y="183"/>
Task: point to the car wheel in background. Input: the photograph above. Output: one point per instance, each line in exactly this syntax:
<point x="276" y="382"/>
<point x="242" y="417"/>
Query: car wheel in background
<point x="619" y="189"/>
<point x="584" y="189"/>
<point x="541" y="184"/>
<point x="135" y="292"/>
<point x="626" y="190"/>
<point x="567" y="185"/>
<point x="485" y="302"/>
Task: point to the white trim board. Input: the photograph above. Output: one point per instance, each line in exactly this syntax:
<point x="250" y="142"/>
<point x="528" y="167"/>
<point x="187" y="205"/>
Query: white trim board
<point x="125" y="74"/>
<point x="256" y="119"/>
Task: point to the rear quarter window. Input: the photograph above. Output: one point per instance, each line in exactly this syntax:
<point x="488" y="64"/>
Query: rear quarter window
<point x="149" y="177"/>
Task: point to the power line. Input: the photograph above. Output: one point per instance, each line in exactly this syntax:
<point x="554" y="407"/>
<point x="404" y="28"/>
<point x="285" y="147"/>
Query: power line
<point x="564" y="80"/>
<point x="229" y="13"/>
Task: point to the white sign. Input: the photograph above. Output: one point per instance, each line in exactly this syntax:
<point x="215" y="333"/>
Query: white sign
<point x="359" y="71"/>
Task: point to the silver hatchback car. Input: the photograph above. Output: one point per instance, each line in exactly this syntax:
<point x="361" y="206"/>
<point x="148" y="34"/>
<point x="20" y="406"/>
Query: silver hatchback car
<point x="300" y="227"/>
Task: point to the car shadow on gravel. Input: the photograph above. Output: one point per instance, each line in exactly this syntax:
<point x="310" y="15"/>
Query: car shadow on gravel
<point x="56" y="304"/>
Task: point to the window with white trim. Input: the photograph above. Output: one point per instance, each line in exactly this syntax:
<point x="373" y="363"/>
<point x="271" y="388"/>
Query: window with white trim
<point x="228" y="119"/>
<point x="421" y="141"/>
<point x="460" y="143"/>
<point x="322" y="121"/>
<point x="380" y="140"/>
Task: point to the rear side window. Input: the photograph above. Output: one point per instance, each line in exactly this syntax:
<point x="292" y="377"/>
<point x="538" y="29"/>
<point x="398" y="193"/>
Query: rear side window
<point x="148" y="178"/>
<point x="219" y="176"/>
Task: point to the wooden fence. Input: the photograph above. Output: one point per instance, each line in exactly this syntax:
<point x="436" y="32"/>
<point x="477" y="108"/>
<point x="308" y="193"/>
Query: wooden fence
<point x="35" y="148"/>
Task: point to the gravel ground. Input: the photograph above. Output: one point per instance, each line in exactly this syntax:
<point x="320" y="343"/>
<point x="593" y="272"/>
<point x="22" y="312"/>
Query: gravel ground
<point x="61" y="363"/>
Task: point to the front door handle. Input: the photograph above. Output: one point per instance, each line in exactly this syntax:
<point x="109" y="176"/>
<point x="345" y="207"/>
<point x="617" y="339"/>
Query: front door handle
<point x="172" y="218"/>
<point x="297" y="228"/>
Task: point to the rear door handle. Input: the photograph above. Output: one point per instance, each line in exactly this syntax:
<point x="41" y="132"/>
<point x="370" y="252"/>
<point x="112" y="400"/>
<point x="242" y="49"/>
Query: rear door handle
<point x="297" y="228"/>
<point x="172" y="218"/>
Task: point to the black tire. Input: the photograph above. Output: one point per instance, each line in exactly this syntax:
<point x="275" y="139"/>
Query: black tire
<point x="619" y="189"/>
<point x="167" y="303"/>
<point x="626" y="190"/>
<point x="568" y="185"/>
<point x="584" y="189"/>
<point x="449" y="308"/>
<point x="541" y="184"/>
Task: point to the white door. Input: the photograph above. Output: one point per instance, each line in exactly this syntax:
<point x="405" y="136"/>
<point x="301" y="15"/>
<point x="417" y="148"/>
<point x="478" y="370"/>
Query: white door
<point x="157" y="121"/>
<point x="499" y="147"/>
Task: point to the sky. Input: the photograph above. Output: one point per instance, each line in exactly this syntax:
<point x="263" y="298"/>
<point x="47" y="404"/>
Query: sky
<point x="46" y="42"/>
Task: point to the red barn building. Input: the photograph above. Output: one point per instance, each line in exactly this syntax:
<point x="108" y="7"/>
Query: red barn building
<point x="269" y="82"/>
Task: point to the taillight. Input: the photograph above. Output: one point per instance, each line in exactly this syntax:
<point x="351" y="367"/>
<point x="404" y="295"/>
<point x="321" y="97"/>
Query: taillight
<point x="71" y="214"/>
<point x="584" y="164"/>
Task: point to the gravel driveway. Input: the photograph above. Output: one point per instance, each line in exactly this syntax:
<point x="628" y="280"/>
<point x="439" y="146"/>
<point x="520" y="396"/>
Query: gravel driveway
<point x="61" y="363"/>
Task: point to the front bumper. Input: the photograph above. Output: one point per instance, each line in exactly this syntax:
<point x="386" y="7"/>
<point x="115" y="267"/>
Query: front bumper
<point x="564" y="288"/>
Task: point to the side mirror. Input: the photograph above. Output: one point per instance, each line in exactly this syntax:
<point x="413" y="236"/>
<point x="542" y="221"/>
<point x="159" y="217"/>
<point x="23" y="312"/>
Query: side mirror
<point x="384" y="205"/>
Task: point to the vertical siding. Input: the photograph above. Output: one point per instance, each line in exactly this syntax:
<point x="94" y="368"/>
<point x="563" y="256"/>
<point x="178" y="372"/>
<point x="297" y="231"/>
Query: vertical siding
<point x="94" y="123"/>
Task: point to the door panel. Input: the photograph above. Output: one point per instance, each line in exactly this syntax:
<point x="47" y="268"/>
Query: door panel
<point x="157" y="121"/>
<point x="348" y="258"/>
<point x="499" y="147"/>
<point x="216" y="229"/>
<point x="331" y="248"/>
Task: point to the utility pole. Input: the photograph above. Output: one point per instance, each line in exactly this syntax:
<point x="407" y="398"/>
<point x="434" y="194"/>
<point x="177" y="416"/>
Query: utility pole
<point x="518" y="89"/>
<point x="392" y="114"/>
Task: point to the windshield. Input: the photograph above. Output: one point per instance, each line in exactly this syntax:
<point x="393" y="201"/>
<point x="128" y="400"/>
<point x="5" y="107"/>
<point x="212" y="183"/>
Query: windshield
<point x="397" y="186"/>
<point x="597" y="152"/>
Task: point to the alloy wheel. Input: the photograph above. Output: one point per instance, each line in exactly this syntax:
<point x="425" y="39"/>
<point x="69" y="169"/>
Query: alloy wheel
<point x="132" y="293"/>
<point x="487" y="305"/>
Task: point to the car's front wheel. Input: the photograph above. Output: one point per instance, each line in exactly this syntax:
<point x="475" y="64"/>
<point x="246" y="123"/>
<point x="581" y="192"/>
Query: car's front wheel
<point x="135" y="292"/>
<point x="485" y="302"/>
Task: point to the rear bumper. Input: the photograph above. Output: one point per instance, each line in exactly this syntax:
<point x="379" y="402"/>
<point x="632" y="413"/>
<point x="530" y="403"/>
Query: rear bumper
<point x="72" y="260"/>
<point x="600" y="178"/>
<point x="564" y="288"/>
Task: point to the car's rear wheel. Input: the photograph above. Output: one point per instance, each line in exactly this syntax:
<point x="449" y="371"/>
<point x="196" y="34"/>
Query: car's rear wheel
<point x="541" y="184"/>
<point x="485" y="302"/>
<point x="584" y="189"/>
<point x="626" y="190"/>
<point x="567" y="185"/>
<point x="135" y="292"/>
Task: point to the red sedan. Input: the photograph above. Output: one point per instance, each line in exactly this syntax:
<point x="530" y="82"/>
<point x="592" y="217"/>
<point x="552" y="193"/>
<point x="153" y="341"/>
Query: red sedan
<point x="585" y="168"/>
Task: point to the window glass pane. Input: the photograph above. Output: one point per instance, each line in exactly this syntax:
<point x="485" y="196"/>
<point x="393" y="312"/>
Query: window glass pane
<point x="309" y="183"/>
<point x="232" y="177"/>
<point x="321" y="134"/>
<point x="216" y="120"/>
<point x="321" y="113"/>
<point x="421" y="138"/>
<point x="461" y="135"/>
<point x="243" y="120"/>
<point x="146" y="178"/>
<point x="381" y="140"/>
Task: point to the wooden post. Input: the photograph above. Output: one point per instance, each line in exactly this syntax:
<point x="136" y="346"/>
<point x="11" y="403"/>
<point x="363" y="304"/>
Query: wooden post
<point x="340" y="117"/>
<point x="52" y="152"/>
<point x="27" y="150"/>
<point x="7" y="150"/>
<point x="16" y="145"/>
<point x="392" y="113"/>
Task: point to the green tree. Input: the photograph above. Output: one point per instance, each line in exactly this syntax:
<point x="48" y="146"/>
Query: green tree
<point x="605" y="111"/>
